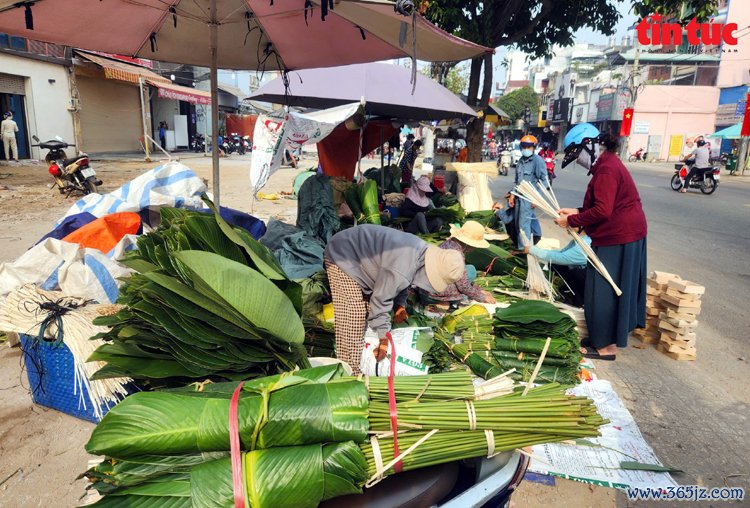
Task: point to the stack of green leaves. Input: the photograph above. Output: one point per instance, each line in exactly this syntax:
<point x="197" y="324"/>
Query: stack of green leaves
<point x="207" y="300"/>
<point x="452" y="214"/>
<point x="494" y="260"/>
<point x="521" y="332"/>
<point x="363" y="202"/>
<point x="306" y="438"/>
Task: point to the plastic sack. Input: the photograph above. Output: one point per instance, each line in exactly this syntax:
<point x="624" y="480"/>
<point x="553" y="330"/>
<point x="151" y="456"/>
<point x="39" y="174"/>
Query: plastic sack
<point x="408" y="357"/>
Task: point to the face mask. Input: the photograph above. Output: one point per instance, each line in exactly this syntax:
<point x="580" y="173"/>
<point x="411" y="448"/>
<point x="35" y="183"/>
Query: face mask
<point x="527" y="152"/>
<point x="585" y="158"/>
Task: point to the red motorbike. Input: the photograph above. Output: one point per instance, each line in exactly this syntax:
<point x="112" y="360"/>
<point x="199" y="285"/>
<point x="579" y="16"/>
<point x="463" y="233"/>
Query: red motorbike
<point x="639" y="155"/>
<point x="549" y="160"/>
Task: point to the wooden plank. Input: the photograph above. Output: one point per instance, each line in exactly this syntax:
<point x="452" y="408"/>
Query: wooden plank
<point x="662" y="277"/>
<point x="688" y="340"/>
<point x="671" y="301"/>
<point x="646" y="339"/>
<point x="677" y="356"/>
<point x="684" y="315"/>
<point x="656" y="285"/>
<point x="681" y="296"/>
<point x="677" y="347"/>
<point x="677" y="322"/>
<point x="685" y="286"/>
<point x="681" y="330"/>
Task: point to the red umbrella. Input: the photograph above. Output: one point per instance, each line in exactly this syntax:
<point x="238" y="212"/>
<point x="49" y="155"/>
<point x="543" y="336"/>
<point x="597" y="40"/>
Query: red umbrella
<point x="241" y="34"/>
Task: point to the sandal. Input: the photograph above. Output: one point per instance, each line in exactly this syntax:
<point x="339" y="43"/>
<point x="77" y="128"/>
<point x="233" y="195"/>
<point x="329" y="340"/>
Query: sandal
<point x="592" y="353"/>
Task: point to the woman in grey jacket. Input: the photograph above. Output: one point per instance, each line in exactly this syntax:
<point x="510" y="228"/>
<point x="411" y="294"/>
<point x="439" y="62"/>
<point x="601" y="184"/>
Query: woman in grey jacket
<point x="370" y="268"/>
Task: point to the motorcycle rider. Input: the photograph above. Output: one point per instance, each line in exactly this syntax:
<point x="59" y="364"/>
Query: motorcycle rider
<point x="531" y="168"/>
<point x="547" y="153"/>
<point x="701" y="161"/>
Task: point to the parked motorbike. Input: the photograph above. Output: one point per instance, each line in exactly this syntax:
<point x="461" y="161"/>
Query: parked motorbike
<point x="70" y="174"/>
<point x="706" y="179"/>
<point x="239" y="143"/>
<point x="639" y="156"/>
<point x="227" y="145"/>
<point x="504" y="162"/>
<point x="198" y="143"/>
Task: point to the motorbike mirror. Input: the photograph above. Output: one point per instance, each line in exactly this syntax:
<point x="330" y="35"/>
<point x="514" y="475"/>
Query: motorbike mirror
<point x="35" y="138"/>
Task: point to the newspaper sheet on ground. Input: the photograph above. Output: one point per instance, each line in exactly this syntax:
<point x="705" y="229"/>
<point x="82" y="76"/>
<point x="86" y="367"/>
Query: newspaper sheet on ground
<point x="599" y="464"/>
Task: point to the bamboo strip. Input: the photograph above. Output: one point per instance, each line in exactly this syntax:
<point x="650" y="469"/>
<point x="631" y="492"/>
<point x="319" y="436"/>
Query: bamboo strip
<point x="538" y="366"/>
<point x="528" y="192"/>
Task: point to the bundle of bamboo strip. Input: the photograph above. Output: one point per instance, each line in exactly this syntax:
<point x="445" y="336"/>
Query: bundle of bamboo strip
<point x="546" y="201"/>
<point x="536" y="282"/>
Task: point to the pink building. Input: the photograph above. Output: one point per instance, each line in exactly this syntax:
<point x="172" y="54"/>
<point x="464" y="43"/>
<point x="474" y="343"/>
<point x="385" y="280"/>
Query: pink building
<point x="735" y="60"/>
<point x="664" y="113"/>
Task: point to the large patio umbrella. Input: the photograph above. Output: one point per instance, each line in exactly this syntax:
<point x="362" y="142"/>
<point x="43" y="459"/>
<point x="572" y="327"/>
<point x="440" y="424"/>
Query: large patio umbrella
<point x="731" y="132"/>
<point x="236" y="34"/>
<point x="385" y="88"/>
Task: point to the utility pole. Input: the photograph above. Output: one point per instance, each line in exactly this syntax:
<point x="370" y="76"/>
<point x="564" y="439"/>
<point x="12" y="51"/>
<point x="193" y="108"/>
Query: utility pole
<point x="633" y="95"/>
<point x="143" y="119"/>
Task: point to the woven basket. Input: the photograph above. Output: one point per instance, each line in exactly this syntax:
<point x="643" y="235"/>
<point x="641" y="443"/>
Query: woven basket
<point x="51" y="372"/>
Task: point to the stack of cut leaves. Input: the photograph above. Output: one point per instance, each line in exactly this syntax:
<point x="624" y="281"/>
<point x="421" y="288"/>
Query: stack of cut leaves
<point x="521" y="331"/>
<point x="312" y="435"/>
<point x="207" y="300"/>
<point x="495" y="260"/>
<point x="362" y="199"/>
<point x="450" y="214"/>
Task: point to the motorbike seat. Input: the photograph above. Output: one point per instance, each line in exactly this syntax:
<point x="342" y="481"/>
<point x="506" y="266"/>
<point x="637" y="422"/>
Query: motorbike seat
<point x="68" y="162"/>
<point x="53" y="144"/>
<point x="412" y="489"/>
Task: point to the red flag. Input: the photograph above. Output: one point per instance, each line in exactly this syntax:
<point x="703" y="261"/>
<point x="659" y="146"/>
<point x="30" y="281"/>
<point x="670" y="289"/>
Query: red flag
<point x="746" y="120"/>
<point x="627" y="122"/>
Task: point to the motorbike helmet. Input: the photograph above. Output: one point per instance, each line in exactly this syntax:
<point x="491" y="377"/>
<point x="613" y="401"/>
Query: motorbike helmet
<point x="545" y="145"/>
<point x="528" y="141"/>
<point x="582" y="136"/>
<point x="701" y="142"/>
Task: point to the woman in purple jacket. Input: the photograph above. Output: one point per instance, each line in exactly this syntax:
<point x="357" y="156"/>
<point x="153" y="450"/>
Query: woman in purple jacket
<point x="613" y="217"/>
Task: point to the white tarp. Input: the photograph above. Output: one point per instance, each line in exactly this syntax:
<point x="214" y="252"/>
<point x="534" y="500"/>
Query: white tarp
<point x="279" y="130"/>
<point x="57" y="265"/>
<point x="171" y="184"/>
<point x="600" y="464"/>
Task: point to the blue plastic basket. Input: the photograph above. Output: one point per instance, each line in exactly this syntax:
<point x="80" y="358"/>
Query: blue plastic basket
<point x="51" y="371"/>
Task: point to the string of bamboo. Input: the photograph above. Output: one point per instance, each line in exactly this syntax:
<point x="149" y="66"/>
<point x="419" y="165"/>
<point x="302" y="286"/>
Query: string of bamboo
<point x="546" y="201"/>
<point x="536" y="282"/>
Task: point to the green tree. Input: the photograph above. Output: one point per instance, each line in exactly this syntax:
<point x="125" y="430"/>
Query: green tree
<point x="516" y="102"/>
<point x="456" y="80"/>
<point x="534" y="26"/>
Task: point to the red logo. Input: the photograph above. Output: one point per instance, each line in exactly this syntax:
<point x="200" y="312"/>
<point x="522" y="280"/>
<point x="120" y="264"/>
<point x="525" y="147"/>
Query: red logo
<point x="655" y="31"/>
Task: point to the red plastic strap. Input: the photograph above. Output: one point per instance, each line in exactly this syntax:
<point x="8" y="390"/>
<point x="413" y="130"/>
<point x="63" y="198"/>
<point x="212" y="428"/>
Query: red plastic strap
<point x="489" y="267"/>
<point x="234" y="446"/>
<point x="398" y="466"/>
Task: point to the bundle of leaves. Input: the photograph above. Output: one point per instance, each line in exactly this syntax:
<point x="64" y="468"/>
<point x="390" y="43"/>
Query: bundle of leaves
<point x="521" y="332"/>
<point x="363" y="202"/>
<point x="307" y="436"/>
<point x="207" y="301"/>
<point x="495" y="260"/>
<point x="452" y="214"/>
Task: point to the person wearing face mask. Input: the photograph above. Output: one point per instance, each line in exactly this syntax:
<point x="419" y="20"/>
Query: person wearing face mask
<point x="613" y="217"/>
<point x="531" y="168"/>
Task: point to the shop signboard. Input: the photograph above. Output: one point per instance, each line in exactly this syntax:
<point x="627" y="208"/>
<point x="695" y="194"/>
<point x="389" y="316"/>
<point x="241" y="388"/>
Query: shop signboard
<point x="580" y="114"/>
<point x="593" y="100"/>
<point x="604" y="107"/>
<point x="620" y="103"/>
<point x="562" y="108"/>
<point x="675" y="145"/>
<point x="730" y="114"/>
<point x="641" y="127"/>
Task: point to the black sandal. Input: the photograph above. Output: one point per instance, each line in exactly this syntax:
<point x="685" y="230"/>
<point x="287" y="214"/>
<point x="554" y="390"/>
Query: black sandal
<point x="592" y="353"/>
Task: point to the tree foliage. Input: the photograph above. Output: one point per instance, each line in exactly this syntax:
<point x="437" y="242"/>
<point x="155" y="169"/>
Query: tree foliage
<point x="456" y="80"/>
<point x="516" y="102"/>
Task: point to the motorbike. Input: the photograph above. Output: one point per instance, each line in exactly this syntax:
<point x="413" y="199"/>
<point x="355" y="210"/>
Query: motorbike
<point x="640" y="156"/>
<point x="706" y="180"/>
<point x="70" y="174"/>
<point x="227" y="145"/>
<point x="504" y="162"/>
<point x="549" y="161"/>
<point x="240" y="143"/>
<point x="198" y="143"/>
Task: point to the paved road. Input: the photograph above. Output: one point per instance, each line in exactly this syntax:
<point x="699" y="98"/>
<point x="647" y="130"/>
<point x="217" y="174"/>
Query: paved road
<point x="694" y="414"/>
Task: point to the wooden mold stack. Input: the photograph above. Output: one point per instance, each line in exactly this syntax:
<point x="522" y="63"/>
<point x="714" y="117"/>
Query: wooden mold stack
<point x="656" y="285"/>
<point x="677" y="322"/>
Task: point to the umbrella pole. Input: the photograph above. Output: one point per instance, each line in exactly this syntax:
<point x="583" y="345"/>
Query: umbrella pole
<point x="214" y="47"/>
<point x="382" y="156"/>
